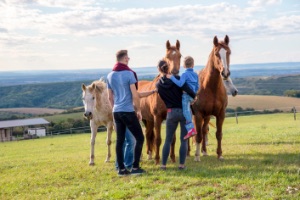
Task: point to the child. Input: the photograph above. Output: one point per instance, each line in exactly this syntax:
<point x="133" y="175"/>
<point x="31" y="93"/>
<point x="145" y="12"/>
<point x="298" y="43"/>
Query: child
<point x="191" y="78"/>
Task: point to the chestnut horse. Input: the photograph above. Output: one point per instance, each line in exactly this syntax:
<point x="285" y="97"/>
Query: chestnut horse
<point x="154" y="110"/>
<point x="212" y="97"/>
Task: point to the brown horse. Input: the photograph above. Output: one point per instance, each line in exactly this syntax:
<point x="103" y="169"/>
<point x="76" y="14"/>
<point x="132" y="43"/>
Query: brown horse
<point x="153" y="108"/>
<point x="212" y="97"/>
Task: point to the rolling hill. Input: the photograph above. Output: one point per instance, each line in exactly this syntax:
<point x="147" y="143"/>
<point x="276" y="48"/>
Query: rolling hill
<point x="66" y="95"/>
<point x="260" y="103"/>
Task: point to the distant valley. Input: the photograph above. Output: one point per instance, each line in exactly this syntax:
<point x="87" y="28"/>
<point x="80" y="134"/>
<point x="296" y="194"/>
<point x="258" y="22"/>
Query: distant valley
<point x="148" y="73"/>
<point x="62" y="89"/>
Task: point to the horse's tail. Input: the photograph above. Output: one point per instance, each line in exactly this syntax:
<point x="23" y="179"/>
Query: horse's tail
<point x="211" y="124"/>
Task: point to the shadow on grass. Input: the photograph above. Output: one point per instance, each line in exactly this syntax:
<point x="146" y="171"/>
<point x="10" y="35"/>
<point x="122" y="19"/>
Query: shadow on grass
<point x="242" y="165"/>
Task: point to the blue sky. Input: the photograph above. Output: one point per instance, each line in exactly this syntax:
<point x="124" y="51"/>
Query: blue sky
<point x="85" y="34"/>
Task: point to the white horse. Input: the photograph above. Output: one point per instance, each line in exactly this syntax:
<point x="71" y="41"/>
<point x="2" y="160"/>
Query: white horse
<point x="99" y="111"/>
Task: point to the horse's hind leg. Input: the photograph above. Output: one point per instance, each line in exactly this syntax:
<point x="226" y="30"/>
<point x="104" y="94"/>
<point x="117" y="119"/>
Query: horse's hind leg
<point x="189" y="147"/>
<point x="108" y="140"/>
<point x="149" y="138"/>
<point x="219" y="135"/>
<point x="204" y="133"/>
<point x="93" y="138"/>
<point x="157" y="126"/>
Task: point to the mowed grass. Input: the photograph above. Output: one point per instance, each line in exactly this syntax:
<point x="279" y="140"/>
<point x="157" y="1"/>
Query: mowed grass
<point x="35" y="111"/>
<point x="262" y="161"/>
<point x="62" y="117"/>
<point x="262" y="102"/>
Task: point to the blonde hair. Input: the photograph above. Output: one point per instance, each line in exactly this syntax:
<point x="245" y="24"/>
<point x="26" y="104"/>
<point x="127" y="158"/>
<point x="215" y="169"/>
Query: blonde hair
<point x="188" y="62"/>
<point x="120" y="54"/>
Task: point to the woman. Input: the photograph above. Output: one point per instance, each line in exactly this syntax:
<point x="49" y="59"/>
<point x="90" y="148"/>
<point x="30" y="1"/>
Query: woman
<point x="171" y="94"/>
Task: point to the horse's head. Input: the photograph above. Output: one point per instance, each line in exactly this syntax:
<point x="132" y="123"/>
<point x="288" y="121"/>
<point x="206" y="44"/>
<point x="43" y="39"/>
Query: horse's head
<point x="230" y="88"/>
<point x="89" y="96"/>
<point x="172" y="57"/>
<point x="221" y="56"/>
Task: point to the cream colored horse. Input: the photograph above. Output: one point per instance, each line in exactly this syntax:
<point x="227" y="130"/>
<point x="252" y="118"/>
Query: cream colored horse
<point x="98" y="110"/>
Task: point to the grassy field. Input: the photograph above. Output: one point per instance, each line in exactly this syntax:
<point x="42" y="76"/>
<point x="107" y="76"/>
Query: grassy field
<point x="262" y="161"/>
<point x="259" y="102"/>
<point x="35" y="111"/>
<point x="61" y="117"/>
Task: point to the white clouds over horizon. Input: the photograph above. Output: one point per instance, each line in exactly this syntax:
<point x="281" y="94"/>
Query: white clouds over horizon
<point x="56" y="26"/>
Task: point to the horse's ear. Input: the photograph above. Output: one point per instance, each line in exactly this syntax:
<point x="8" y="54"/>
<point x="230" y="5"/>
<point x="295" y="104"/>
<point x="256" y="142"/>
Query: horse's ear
<point x="168" y="45"/>
<point x="226" y="39"/>
<point x="93" y="86"/>
<point x="216" y="41"/>
<point x="83" y="87"/>
<point x="178" y="45"/>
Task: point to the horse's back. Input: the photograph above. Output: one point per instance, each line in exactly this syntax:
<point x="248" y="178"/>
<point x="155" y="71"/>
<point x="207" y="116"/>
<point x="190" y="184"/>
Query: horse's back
<point x="152" y="105"/>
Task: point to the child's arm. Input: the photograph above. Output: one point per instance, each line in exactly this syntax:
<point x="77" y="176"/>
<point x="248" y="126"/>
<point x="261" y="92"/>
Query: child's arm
<point x="179" y="82"/>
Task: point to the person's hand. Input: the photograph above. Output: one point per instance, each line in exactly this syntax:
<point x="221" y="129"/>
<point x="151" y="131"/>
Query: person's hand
<point x="139" y="115"/>
<point x="168" y="75"/>
<point x="194" y="100"/>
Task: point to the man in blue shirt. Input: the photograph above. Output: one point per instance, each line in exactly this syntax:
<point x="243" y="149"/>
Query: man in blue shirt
<point x="123" y="96"/>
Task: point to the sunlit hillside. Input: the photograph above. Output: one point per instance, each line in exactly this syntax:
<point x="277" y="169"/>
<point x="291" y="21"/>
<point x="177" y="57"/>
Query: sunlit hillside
<point x="263" y="102"/>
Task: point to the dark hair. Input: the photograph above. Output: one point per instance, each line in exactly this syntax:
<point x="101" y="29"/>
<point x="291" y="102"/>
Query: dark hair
<point x="120" y="54"/>
<point x="163" y="66"/>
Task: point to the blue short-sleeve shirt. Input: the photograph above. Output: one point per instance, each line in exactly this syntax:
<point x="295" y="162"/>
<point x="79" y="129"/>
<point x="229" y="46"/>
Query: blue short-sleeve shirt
<point x="119" y="82"/>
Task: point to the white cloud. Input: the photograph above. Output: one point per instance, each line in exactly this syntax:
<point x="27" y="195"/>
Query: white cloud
<point x="71" y="4"/>
<point x="59" y="24"/>
<point x="141" y="45"/>
<point x="197" y="20"/>
<point x="260" y="3"/>
<point x="20" y="40"/>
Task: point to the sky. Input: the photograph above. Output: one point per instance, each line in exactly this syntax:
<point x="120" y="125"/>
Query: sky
<point x="86" y="34"/>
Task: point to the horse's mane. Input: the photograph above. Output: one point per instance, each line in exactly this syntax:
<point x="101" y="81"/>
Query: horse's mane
<point x="100" y="87"/>
<point x="210" y="60"/>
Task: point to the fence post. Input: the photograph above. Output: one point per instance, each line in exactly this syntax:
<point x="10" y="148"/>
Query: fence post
<point x="236" y="117"/>
<point x="294" y="112"/>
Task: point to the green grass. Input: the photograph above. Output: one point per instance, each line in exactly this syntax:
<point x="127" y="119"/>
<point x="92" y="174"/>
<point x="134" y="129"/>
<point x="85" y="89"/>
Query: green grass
<point x="61" y="117"/>
<point x="262" y="161"/>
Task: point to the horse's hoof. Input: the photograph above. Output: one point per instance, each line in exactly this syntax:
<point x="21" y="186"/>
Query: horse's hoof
<point x="149" y="155"/>
<point x="91" y="164"/>
<point x="197" y="159"/>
